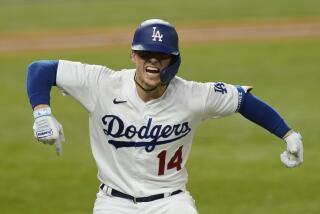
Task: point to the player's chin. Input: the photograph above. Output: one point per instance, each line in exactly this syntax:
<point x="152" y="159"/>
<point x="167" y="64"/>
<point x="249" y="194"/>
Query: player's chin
<point x="152" y="84"/>
<point x="152" y="78"/>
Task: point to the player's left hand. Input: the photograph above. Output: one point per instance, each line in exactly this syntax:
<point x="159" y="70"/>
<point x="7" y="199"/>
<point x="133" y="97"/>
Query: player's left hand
<point x="293" y="156"/>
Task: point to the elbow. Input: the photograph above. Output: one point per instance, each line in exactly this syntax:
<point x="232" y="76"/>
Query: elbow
<point x="44" y="70"/>
<point x="38" y="65"/>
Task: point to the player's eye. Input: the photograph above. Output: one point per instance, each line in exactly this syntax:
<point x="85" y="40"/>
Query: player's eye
<point x="148" y="54"/>
<point x="144" y="54"/>
<point x="163" y="56"/>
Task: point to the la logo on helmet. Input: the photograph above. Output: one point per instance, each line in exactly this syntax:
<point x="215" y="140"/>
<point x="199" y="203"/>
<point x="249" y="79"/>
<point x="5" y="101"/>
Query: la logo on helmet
<point x="156" y="35"/>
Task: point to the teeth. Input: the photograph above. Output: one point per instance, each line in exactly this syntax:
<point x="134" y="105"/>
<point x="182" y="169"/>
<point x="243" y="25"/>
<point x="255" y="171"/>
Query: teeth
<point x="152" y="69"/>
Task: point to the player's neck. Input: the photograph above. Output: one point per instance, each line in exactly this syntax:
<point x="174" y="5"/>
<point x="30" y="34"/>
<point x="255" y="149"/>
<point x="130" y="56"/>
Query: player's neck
<point x="150" y="95"/>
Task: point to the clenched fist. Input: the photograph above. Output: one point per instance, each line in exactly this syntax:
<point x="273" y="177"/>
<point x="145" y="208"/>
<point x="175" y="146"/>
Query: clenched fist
<point x="293" y="156"/>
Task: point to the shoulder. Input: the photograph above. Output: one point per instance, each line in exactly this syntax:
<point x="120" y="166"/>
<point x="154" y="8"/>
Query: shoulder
<point x="187" y="85"/>
<point x="120" y="75"/>
<point x="192" y="91"/>
<point x="116" y="78"/>
<point x="102" y="71"/>
<point x="82" y="67"/>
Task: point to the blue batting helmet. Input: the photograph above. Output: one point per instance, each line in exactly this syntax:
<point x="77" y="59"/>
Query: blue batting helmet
<point x="157" y="35"/>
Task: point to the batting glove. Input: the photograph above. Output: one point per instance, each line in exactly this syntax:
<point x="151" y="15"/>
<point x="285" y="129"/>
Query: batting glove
<point x="47" y="129"/>
<point x="293" y="156"/>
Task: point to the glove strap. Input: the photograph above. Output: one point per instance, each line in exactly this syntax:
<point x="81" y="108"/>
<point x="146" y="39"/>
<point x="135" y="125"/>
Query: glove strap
<point x="292" y="136"/>
<point x="41" y="112"/>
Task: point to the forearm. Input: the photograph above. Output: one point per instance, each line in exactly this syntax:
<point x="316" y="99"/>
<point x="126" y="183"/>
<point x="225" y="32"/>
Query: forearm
<point x="40" y="78"/>
<point x="264" y="115"/>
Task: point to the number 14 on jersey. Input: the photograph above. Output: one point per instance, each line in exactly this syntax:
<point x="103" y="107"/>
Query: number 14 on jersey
<point x="175" y="161"/>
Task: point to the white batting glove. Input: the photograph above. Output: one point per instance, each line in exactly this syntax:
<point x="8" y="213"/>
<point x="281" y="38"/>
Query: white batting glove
<point x="293" y="156"/>
<point x="47" y="129"/>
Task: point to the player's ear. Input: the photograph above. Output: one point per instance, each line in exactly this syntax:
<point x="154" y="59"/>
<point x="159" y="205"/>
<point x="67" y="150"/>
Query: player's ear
<point x="133" y="56"/>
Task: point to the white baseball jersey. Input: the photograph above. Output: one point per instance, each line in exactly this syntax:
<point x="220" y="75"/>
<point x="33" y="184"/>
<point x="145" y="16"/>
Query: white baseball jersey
<point x="141" y="148"/>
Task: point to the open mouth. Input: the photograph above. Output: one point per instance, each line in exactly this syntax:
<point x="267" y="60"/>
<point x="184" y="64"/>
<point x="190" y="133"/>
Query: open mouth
<point x="153" y="70"/>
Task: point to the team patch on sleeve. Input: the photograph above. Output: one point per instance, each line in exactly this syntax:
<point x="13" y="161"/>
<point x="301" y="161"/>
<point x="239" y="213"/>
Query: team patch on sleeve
<point x="220" y="88"/>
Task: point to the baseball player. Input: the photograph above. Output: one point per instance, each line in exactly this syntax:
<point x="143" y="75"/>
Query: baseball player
<point x="142" y="121"/>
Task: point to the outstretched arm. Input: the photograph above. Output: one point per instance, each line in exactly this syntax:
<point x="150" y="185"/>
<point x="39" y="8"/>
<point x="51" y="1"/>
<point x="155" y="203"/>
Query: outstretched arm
<point x="40" y="78"/>
<point x="264" y="115"/>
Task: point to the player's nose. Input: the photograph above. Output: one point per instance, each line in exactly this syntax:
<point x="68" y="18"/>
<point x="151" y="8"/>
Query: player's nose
<point x="153" y="60"/>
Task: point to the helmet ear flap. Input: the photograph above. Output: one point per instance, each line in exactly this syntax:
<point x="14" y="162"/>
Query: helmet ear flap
<point x="168" y="73"/>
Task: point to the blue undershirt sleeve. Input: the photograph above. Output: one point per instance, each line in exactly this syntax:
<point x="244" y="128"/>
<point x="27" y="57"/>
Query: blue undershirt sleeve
<point x="262" y="114"/>
<point x="41" y="76"/>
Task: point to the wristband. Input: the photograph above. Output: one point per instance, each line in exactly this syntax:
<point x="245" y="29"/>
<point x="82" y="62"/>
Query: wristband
<point x="41" y="112"/>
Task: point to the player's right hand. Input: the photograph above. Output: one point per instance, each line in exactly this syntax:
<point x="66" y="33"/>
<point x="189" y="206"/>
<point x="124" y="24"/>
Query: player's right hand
<point x="47" y="129"/>
<point x="293" y="156"/>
